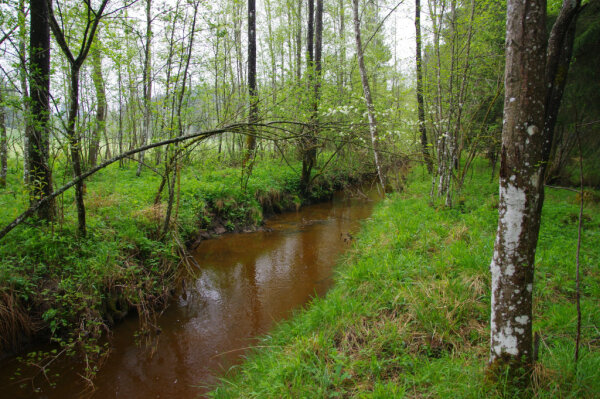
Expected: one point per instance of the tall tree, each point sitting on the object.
(100, 127)
(367, 93)
(299, 41)
(24, 89)
(40, 174)
(75, 63)
(3, 141)
(420, 102)
(147, 82)
(253, 114)
(174, 166)
(308, 140)
(530, 78)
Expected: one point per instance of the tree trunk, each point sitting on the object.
(310, 34)
(147, 87)
(3, 142)
(367, 93)
(24, 91)
(299, 43)
(420, 102)
(529, 82)
(40, 175)
(120, 122)
(180, 130)
(100, 127)
(75, 145)
(307, 142)
(253, 114)
(270, 40)
(342, 38)
(559, 50)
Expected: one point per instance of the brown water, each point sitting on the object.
(245, 284)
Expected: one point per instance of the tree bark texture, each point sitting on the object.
(253, 112)
(521, 185)
(535, 75)
(420, 102)
(40, 175)
(3, 143)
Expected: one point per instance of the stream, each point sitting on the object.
(246, 283)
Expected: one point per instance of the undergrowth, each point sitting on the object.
(409, 313)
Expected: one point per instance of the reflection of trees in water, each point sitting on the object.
(254, 309)
(245, 284)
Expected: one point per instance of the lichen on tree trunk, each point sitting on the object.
(526, 137)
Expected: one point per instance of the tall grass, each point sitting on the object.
(408, 315)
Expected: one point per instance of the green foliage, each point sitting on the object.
(409, 313)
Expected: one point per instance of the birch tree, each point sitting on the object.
(367, 93)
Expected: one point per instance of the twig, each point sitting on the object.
(562, 188)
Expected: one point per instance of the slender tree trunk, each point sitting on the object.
(75, 68)
(253, 114)
(270, 44)
(559, 51)
(27, 132)
(100, 127)
(3, 141)
(75, 145)
(147, 77)
(367, 93)
(458, 136)
(237, 33)
(310, 34)
(120, 132)
(180, 129)
(299, 42)
(420, 102)
(342, 38)
(40, 174)
(307, 143)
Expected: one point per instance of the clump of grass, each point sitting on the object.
(408, 315)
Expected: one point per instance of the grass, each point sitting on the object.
(409, 313)
(55, 284)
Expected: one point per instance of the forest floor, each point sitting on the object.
(54, 284)
(409, 312)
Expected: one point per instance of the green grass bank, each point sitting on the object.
(408, 315)
(56, 285)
